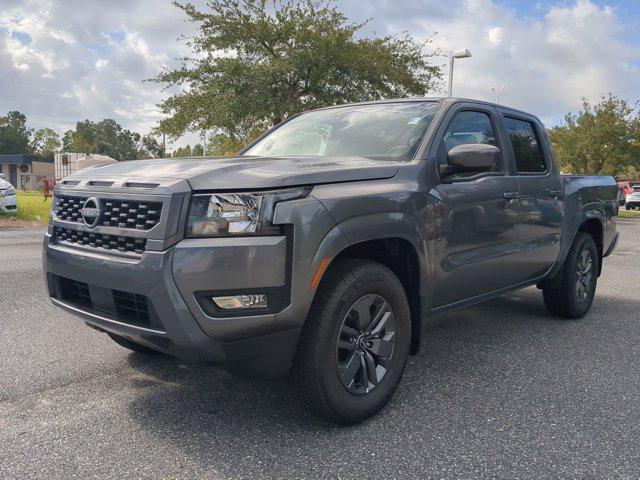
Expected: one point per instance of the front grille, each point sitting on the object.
(68, 208)
(99, 240)
(126, 307)
(130, 214)
(138, 215)
(132, 307)
(75, 292)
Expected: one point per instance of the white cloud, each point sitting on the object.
(547, 64)
(495, 36)
(61, 62)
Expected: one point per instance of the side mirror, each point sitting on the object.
(470, 158)
(2, 177)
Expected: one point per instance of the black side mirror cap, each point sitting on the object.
(470, 158)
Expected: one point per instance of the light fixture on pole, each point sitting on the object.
(498, 93)
(462, 53)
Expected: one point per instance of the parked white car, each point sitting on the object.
(8, 197)
(632, 200)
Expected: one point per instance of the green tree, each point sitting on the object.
(151, 147)
(14, 134)
(256, 62)
(197, 150)
(225, 145)
(182, 151)
(599, 139)
(45, 143)
(106, 137)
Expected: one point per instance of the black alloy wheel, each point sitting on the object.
(365, 344)
(584, 275)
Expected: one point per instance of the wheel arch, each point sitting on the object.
(400, 249)
(594, 227)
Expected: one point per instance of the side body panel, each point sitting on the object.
(588, 198)
(474, 222)
(395, 208)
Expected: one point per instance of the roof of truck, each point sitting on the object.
(433, 99)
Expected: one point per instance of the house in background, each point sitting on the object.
(25, 173)
(67, 163)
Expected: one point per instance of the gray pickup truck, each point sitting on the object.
(316, 252)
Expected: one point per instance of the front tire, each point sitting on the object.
(355, 343)
(571, 294)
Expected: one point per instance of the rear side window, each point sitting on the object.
(526, 147)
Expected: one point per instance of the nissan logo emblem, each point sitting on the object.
(91, 212)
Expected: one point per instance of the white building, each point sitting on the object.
(67, 163)
(25, 173)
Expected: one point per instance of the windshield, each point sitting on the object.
(382, 131)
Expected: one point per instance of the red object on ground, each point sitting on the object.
(48, 186)
(626, 185)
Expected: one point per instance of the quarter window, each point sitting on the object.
(526, 147)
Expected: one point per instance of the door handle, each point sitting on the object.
(555, 193)
(511, 195)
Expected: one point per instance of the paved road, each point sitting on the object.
(502, 390)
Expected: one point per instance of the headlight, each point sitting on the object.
(10, 191)
(241, 214)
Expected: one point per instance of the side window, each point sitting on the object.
(467, 127)
(526, 147)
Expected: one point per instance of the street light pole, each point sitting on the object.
(463, 53)
(204, 143)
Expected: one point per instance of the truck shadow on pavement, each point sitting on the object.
(478, 366)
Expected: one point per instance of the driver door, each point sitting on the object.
(475, 234)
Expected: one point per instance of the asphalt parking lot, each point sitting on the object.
(502, 390)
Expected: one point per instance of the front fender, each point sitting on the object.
(377, 226)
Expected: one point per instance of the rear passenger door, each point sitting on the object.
(541, 193)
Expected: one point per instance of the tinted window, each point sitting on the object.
(526, 148)
(382, 131)
(467, 127)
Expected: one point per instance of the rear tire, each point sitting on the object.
(571, 294)
(135, 347)
(355, 343)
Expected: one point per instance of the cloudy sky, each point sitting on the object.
(63, 61)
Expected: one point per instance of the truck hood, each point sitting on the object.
(246, 172)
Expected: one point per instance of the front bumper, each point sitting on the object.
(249, 345)
(9, 204)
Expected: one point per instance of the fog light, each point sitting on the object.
(234, 302)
